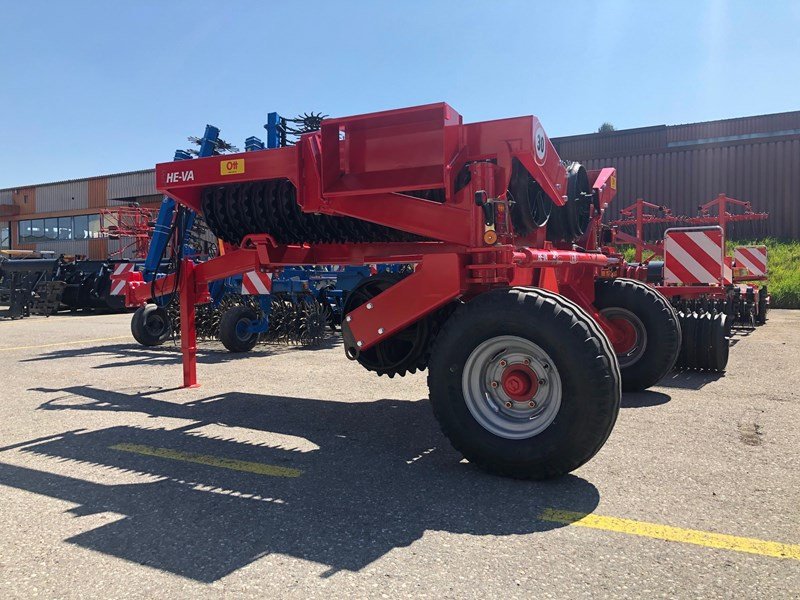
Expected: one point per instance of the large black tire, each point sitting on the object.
(232, 329)
(763, 307)
(687, 333)
(151, 325)
(719, 345)
(652, 321)
(407, 350)
(575, 398)
(705, 329)
(705, 345)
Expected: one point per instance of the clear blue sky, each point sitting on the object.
(89, 88)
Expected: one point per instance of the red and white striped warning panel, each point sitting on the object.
(694, 256)
(118, 287)
(119, 278)
(123, 268)
(727, 271)
(752, 258)
(256, 283)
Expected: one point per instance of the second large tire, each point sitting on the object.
(524, 383)
(655, 332)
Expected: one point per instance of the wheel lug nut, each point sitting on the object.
(494, 384)
(509, 405)
(532, 404)
(503, 363)
(545, 366)
(542, 382)
(527, 362)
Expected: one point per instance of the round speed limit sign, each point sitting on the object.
(540, 142)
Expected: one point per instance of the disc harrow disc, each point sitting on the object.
(237, 210)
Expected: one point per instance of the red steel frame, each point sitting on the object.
(359, 167)
(636, 214)
(133, 222)
(723, 217)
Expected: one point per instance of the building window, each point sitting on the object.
(24, 231)
(94, 226)
(5, 235)
(37, 230)
(80, 227)
(65, 228)
(51, 229)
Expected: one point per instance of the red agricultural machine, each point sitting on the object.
(514, 306)
(132, 226)
(710, 291)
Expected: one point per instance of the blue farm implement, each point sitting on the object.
(295, 305)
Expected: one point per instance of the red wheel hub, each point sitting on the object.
(623, 335)
(519, 382)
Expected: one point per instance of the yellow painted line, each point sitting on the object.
(673, 534)
(211, 461)
(67, 343)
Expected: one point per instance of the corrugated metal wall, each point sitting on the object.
(71, 195)
(62, 247)
(98, 249)
(629, 141)
(130, 185)
(777, 123)
(98, 188)
(122, 248)
(761, 166)
(25, 198)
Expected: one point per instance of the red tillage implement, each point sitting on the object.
(132, 225)
(512, 305)
(702, 283)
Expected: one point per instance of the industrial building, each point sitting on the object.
(681, 166)
(756, 159)
(64, 216)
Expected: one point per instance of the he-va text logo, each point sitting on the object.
(180, 176)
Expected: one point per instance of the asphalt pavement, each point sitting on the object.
(295, 473)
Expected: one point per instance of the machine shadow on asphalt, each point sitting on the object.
(126, 355)
(382, 475)
(644, 399)
(689, 380)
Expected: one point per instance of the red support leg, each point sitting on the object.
(188, 296)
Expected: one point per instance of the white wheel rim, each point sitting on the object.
(495, 385)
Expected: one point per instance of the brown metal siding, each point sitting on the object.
(98, 249)
(762, 170)
(25, 198)
(735, 127)
(97, 192)
(768, 175)
(631, 141)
